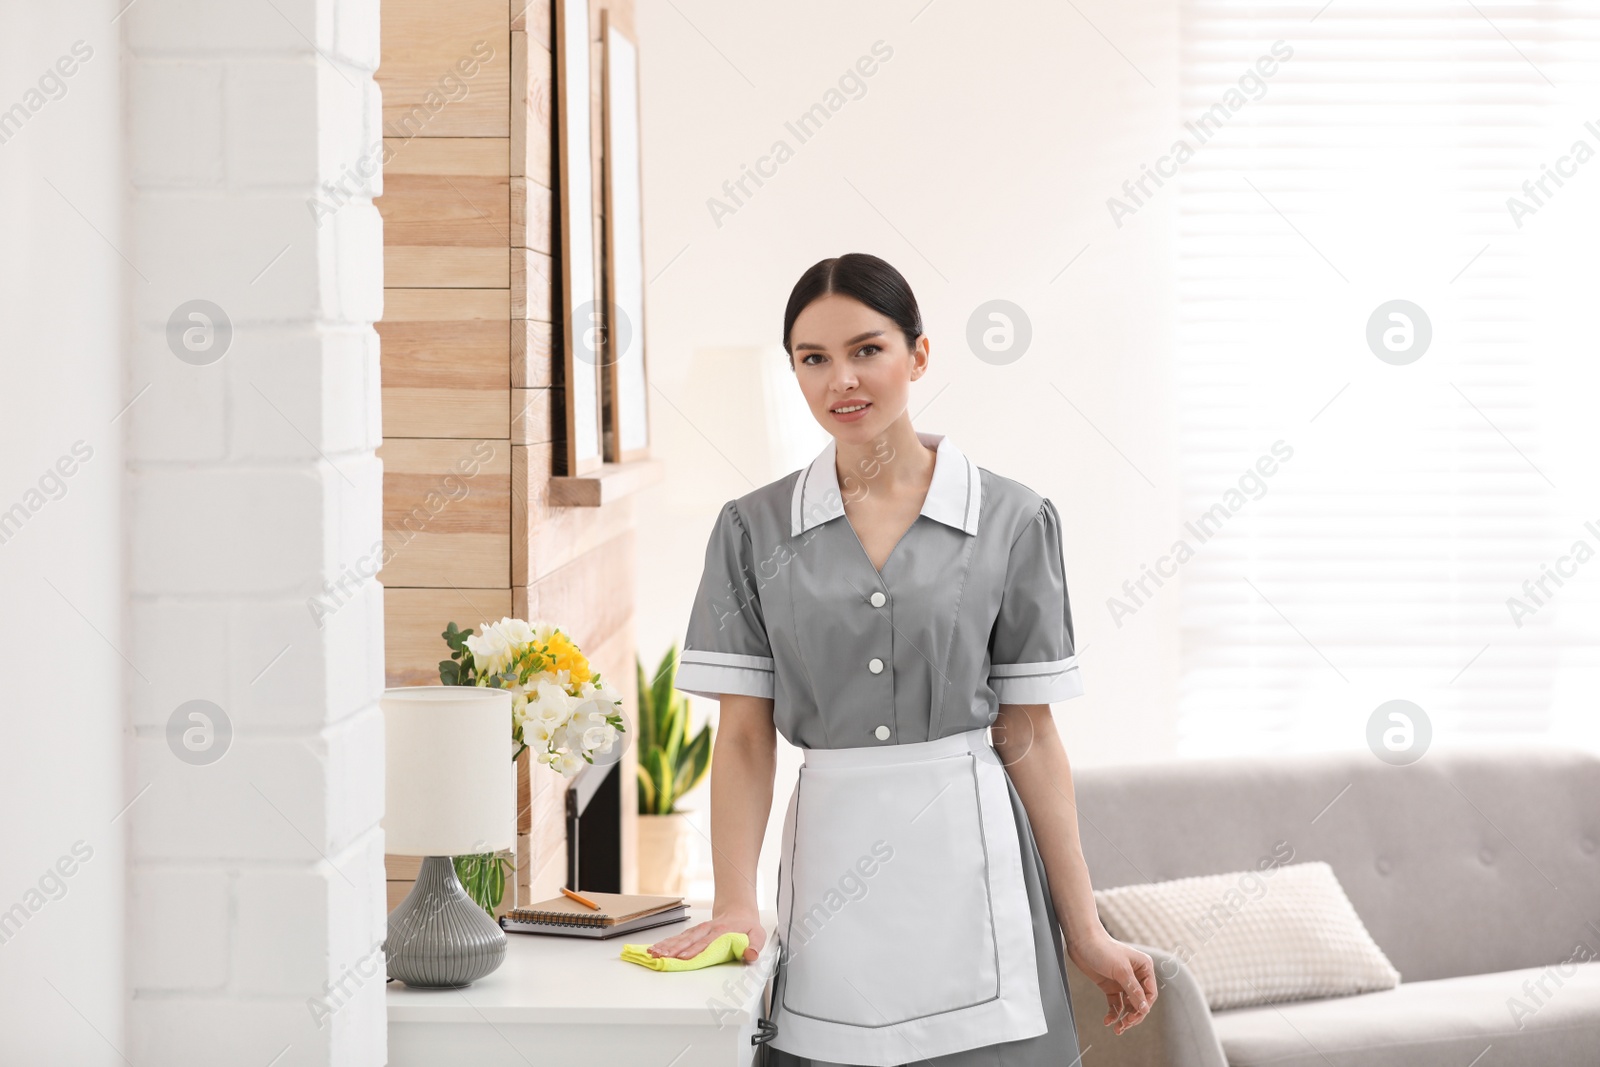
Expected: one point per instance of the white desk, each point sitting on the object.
(568, 1000)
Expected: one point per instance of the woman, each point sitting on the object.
(883, 608)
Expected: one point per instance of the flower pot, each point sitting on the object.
(664, 853)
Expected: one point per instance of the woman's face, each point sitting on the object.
(847, 355)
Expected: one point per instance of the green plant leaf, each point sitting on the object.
(696, 763)
(671, 724)
(647, 710)
(483, 876)
(671, 761)
(665, 772)
(647, 791)
(662, 691)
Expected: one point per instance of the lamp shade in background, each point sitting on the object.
(451, 783)
(748, 403)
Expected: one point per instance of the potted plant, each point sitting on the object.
(561, 712)
(671, 763)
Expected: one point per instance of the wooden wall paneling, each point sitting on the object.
(468, 369)
(446, 208)
(414, 619)
(542, 853)
(542, 836)
(399, 889)
(532, 102)
(530, 417)
(592, 596)
(532, 354)
(531, 401)
(446, 512)
(532, 285)
(573, 531)
(446, 358)
(531, 220)
(446, 68)
(533, 242)
(533, 18)
(545, 536)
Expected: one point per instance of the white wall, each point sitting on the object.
(978, 161)
(257, 884)
(232, 901)
(61, 778)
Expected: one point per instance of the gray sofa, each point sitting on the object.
(1476, 871)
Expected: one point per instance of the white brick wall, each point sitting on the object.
(256, 881)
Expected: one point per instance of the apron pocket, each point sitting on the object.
(890, 914)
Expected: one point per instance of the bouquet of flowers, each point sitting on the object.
(560, 709)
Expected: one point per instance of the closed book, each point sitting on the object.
(614, 908)
(564, 927)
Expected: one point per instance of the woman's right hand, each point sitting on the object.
(689, 943)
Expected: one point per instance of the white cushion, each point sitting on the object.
(1255, 937)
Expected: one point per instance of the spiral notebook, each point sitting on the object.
(619, 913)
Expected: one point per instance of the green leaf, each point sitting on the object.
(671, 761)
(662, 769)
(647, 710)
(662, 692)
(483, 876)
(697, 761)
(647, 791)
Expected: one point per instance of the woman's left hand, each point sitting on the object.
(1126, 976)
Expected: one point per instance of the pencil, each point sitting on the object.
(585, 901)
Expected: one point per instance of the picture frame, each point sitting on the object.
(577, 318)
(624, 377)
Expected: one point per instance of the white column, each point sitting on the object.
(256, 882)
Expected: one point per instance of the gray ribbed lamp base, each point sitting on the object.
(439, 938)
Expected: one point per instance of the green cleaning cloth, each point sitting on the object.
(729, 948)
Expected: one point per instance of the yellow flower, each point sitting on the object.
(565, 656)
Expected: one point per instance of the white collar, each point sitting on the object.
(954, 495)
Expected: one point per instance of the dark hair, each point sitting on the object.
(862, 276)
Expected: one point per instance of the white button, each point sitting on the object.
(882, 732)
(876, 666)
(878, 599)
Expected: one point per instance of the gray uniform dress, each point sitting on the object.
(970, 611)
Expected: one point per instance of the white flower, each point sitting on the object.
(599, 700)
(599, 738)
(568, 763)
(549, 703)
(539, 733)
(516, 631)
(490, 650)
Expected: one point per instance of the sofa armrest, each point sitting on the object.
(1176, 1033)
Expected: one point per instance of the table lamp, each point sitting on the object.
(451, 791)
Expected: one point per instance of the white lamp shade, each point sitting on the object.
(451, 784)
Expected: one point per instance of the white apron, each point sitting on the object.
(903, 917)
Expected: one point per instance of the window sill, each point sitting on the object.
(611, 482)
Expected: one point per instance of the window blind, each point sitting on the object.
(1374, 155)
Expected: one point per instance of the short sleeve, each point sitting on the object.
(1031, 651)
(726, 648)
